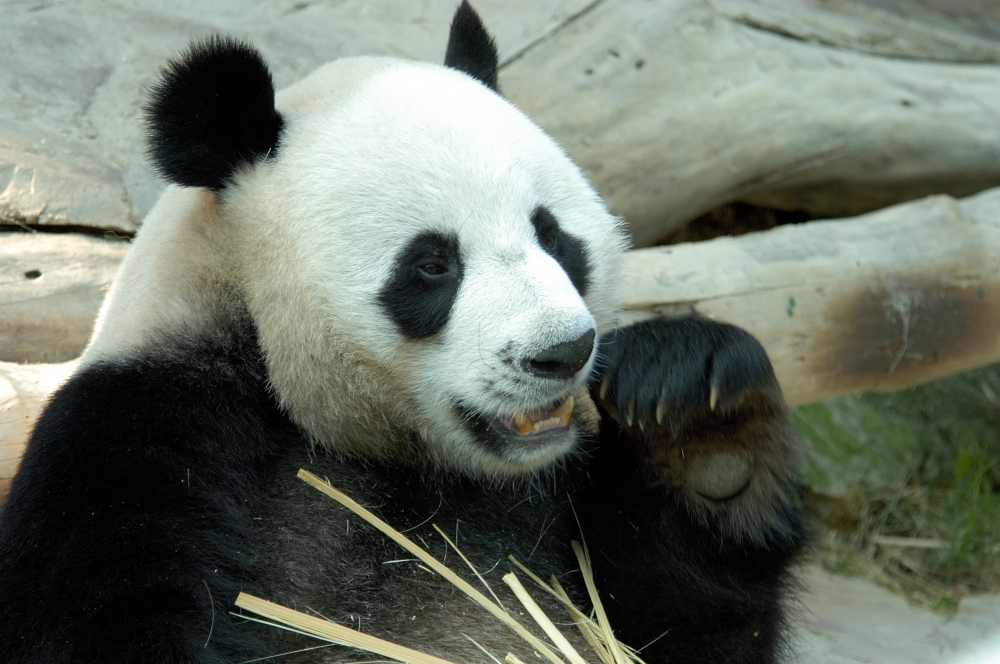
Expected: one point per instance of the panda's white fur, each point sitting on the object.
(309, 239)
(381, 274)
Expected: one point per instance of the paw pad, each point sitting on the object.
(720, 476)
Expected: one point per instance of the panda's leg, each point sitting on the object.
(692, 518)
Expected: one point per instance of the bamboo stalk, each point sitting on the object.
(431, 562)
(583, 557)
(590, 630)
(543, 621)
(470, 565)
(332, 632)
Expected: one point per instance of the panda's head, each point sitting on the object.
(428, 273)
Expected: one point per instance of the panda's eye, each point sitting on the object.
(549, 242)
(422, 288)
(433, 268)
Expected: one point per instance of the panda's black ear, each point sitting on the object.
(212, 111)
(470, 47)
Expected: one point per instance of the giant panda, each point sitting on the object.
(387, 275)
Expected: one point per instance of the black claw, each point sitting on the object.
(674, 370)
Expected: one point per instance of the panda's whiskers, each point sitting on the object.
(479, 347)
(212, 603)
(312, 610)
(495, 565)
(545, 529)
(523, 500)
(467, 219)
(487, 652)
(493, 368)
(293, 652)
(436, 510)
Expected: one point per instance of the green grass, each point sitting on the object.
(922, 465)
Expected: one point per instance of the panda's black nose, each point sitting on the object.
(563, 360)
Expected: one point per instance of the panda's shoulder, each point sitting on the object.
(139, 430)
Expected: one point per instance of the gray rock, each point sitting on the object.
(73, 75)
(847, 621)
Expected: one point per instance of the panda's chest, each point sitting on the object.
(324, 559)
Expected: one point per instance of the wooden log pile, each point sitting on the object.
(23, 391)
(51, 286)
(878, 302)
(672, 109)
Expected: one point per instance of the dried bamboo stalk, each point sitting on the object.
(583, 557)
(431, 562)
(588, 627)
(543, 621)
(590, 630)
(332, 632)
(598, 634)
(470, 565)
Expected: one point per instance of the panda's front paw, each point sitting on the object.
(700, 401)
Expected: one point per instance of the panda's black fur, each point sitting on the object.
(159, 484)
(471, 48)
(213, 110)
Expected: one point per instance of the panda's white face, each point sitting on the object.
(426, 270)
(424, 263)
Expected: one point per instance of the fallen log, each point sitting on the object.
(879, 302)
(675, 108)
(51, 286)
(941, 31)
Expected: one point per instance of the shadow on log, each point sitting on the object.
(878, 302)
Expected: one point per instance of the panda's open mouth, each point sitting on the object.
(528, 435)
(527, 439)
(538, 421)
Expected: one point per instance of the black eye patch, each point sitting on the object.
(565, 248)
(419, 295)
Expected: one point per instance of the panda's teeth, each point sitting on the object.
(521, 423)
(564, 412)
(528, 423)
